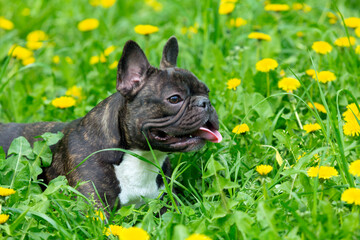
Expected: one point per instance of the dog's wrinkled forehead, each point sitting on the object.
(186, 81)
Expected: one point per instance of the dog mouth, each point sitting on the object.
(206, 132)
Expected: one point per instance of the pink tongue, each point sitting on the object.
(212, 136)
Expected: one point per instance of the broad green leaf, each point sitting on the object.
(20, 146)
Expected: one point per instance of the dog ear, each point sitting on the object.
(132, 69)
(170, 53)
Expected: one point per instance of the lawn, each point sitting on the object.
(284, 80)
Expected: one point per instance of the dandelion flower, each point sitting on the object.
(75, 92)
(297, 6)
(321, 47)
(277, 7)
(354, 168)
(324, 172)
(109, 50)
(56, 59)
(198, 236)
(357, 33)
(242, 128)
(282, 73)
(20, 52)
(6, 191)
(35, 39)
(146, 29)
(63, 102)
(6, 24)
(352, 22)
(310, 72)
(69, 60)
(351, 113)
(266, 64)
(351, 196)
(288, 84)
(306, 8)
(311, 127)
(3, 218)
(154, 4)
(233, 83)
(318, 106)
(345, 41)
(133, 233)
(351, 128)
(114, 230)
(300, 34)
(226, 8)
(259, 36)
(264, 169)
(107, 3)
(113, 65)
(97, 59)
(324, 76)
(357, 49)
(88, 24)
(238, 22)
(28, 61)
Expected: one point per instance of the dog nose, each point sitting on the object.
(202, 102)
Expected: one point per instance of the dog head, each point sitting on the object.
(167, 106)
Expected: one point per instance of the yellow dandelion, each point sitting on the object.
(233, 83)
(240, 129)
(354, 168)
(318, 106)
(324, 172)
(88, 24)
(113, 65)
(237, 22)
(310, 72)
(306, 8)
(20, 52)
(226, 8)
(299, 34)
(357, 32)
(351, 128)
(324, 76)
(259, 36)
(75, 92)
(352, 22)
(345, 41)
(198, 236)
(266, 64)
(351, 113)
(351, 196)
(97, 59)
(6, 191)
(28, 61)
(145, 29)
(26, 12)
(277, 7)
(297, 6)
(113, 230)
(6, 24)
(56, 59)
(264, 169)
(332, 20)
(35, 39)
(95, 3)
(109, 50)
(63, 102)
(107, 3)
(357, 49)
(321, 47)
(311, 127)
(282, 73)
(3, 218)
(69, 60)
(289, 84)
(133, 233)
(154, 5)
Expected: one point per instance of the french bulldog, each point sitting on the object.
(167, 108)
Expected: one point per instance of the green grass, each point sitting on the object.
(220, 193)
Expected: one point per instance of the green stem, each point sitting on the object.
(268, 84)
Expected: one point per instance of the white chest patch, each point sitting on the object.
(138, 178)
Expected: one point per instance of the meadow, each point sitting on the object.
(283, 76)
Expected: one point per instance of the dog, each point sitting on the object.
(167, 108)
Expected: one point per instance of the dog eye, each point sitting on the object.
(174, 99)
